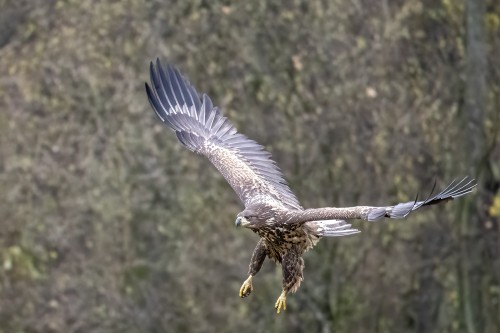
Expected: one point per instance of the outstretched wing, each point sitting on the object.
(454, 190)
(202, 128)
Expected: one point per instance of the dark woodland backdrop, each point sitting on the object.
(108, 225)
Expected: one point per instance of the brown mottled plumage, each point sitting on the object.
(272, 211)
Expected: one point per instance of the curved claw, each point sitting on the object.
(281, 302)
(246, 287)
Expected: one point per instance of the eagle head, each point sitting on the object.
(248, 219)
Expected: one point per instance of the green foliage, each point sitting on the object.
(109, 225)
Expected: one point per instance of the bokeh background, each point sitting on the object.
(108, 225)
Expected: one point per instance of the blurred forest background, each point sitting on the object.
(109, 225)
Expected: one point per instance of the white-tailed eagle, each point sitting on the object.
(272, 211)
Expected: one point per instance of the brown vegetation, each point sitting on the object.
(109, 225)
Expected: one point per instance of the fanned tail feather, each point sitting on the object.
(332, 228)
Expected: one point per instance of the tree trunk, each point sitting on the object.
(471, 243)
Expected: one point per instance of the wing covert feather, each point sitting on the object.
(202, 128)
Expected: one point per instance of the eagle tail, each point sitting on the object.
(332, 228)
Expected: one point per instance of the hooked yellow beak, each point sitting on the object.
(241, 222)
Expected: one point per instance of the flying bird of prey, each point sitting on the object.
(272, 211)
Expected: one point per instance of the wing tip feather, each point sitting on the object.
(193, 117)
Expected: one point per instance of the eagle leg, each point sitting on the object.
(292, 266)
(258, 257)
(246, 287)
(281, 302)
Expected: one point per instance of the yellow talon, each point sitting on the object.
(281, 302)
(246, 287)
